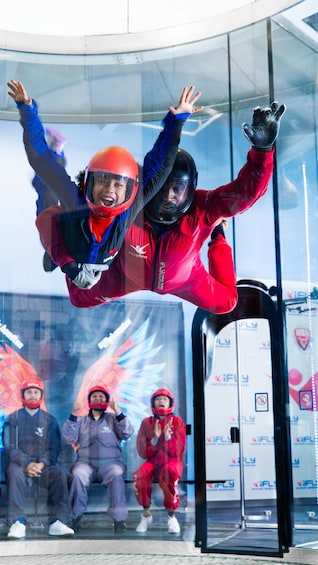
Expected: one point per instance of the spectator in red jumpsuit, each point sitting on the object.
(161, 441)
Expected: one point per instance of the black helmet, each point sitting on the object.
(184, 171)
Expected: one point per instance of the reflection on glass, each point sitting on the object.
(240, 459)
(140, 342)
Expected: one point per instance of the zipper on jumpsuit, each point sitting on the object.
(156, 262)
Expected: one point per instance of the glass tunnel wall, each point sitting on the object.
(297, 202)
(142, 342)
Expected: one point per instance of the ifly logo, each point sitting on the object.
(262, 440)
(296, 463)
(249, 419)
(229, 379)
(247, 462)
(248, 325)
(305, 440)
(306, 484)
(140, 251)
(264, 485)
(225, 343)
(245, 420)
(227, 485)
(266, 344)
(218, 440)
(297, 294)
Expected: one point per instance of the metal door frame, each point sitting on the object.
(254, 301)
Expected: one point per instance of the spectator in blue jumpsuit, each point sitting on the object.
(97, 438)
(32, 440)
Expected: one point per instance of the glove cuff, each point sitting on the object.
(71, 270)
(266, 149)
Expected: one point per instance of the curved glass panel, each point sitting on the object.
(297, 197)
(142, 341)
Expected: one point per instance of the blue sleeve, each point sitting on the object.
(159, 161)
(40, 157)
(11, 442)
(165, 147)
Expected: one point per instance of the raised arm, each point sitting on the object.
(254, 177)
(38, 152)
(159, 161)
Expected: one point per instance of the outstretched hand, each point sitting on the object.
(167, 430)
(18, 92)
(186, 102)
(156, 430)
(76, 407)
(265, 126)
(113, 405)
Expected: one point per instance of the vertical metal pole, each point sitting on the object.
(283, 461)
(239, 411)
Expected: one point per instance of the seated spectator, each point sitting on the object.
(97, 437)
(32, 440)
(161, 441)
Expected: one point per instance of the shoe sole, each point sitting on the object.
(61, 535)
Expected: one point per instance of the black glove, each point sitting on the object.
(265, 126)
(71, 270)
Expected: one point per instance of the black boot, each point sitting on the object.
(48, 264)
(119, 527)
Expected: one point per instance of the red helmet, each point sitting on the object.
(98, 405)
(162, 411)
(117, 162)
(32, 383)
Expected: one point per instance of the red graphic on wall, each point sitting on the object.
(306, 394)
(302, 336)
(107, 372)
(129, 373)
(13, 371)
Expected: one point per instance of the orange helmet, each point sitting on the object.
(119, 163)
(162, 411)
(32, 382)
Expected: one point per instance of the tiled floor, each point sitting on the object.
(96, 544)
(79, 552)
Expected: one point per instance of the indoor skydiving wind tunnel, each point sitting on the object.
(245, 383)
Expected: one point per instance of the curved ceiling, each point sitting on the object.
(125, 25)
(121, 84)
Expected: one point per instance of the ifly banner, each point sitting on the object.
(238, 394)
